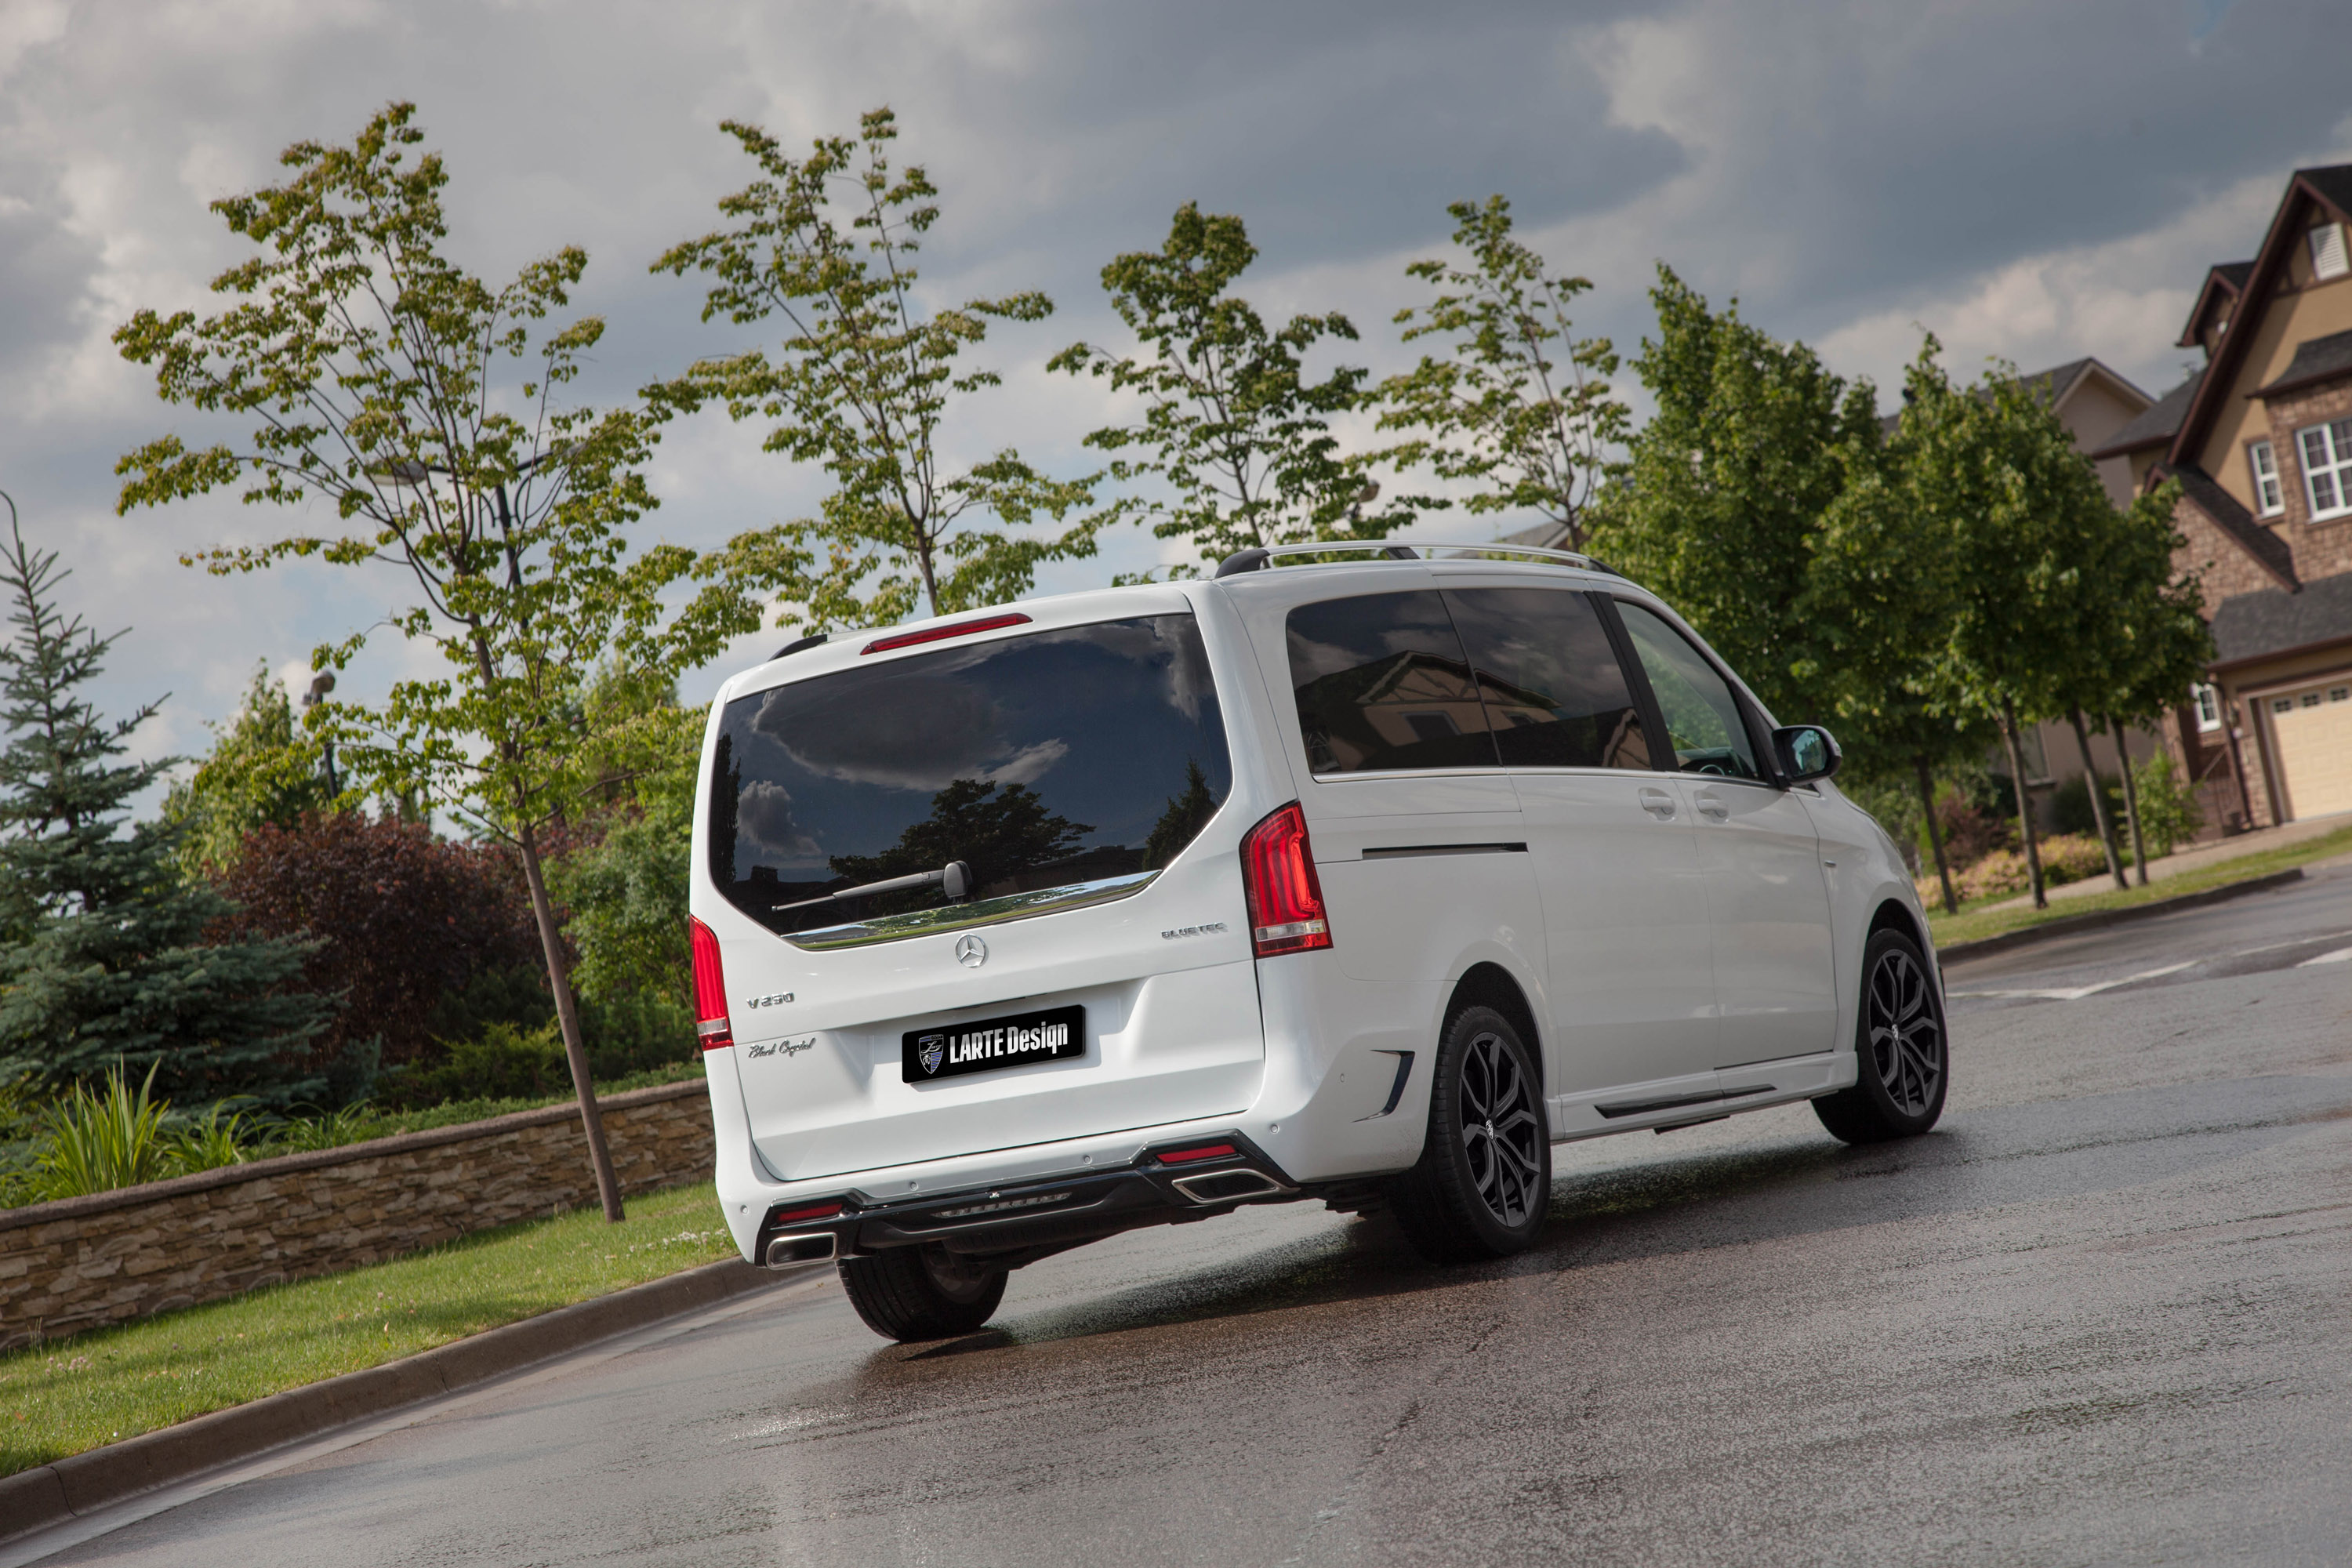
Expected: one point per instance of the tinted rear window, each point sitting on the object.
(1557, 695)
(1041, 760)
(1381, 683)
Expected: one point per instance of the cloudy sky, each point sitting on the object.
(2026, 180)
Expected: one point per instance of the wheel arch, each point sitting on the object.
(1488, 984)
(1891, 915)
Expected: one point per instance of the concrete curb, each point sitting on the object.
(69, 1489)
(1981, 948)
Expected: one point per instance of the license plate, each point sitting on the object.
(992, 1043)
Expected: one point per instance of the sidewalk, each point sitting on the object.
(2193, 859)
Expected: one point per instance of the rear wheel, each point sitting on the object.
(1902, 1059)
(1484, 1177)
(922, 1292)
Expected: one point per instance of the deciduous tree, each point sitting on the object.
(430, 414)
(1235, 446)
(1518, 406)
(862, 385)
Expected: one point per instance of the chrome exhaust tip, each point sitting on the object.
(816, 1247)
(1224, 1186)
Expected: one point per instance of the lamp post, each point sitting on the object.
(320, 684)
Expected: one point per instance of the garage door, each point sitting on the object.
(2314, 727)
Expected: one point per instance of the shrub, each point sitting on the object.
(408, 921)
(1971, 831)
(2168, 812)
(106, 1138)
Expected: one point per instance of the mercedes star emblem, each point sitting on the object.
(971, 951)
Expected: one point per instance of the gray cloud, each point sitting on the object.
(2042, 181)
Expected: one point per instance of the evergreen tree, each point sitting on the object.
(106, 960)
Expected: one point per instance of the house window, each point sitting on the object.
(2208, 707)
(2311, 700)
(2281, 704)
(2338, 693)
(2327, 467)
(2328, 258)
(2270, 500)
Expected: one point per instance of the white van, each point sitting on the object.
(1363, 881)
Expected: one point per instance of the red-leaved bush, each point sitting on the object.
(407, 920)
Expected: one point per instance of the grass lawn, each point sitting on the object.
(1975, 921)
(61, 1398)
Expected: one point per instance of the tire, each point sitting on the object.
(1902, 1049)
(1484, 1183)
(912, 1293)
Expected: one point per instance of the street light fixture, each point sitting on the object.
(320, 684)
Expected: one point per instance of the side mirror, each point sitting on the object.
(1806, 753)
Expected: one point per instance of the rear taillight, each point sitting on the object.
(709, 990)
(1286, 901)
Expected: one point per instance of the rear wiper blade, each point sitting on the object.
(955, 878)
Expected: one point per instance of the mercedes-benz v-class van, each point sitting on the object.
(1363, 880)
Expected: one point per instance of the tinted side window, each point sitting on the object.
(1702, 716)
(1381, 683)
(1549, 678)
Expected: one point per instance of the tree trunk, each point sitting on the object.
(2016, 743)
(2131, 796)
(567, 1013)
(2098, 801)
(1935, 836)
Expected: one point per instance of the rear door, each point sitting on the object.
(1078, 775)
(1767, 894)
(1631, 994)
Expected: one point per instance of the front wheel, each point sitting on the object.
(1902, 1059)
(1484, 1177)
(922, 1292)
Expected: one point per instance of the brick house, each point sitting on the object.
(2261, 440)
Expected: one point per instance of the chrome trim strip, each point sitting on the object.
(963, 917)
(1403, 851)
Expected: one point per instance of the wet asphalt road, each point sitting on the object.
(2102, 1314)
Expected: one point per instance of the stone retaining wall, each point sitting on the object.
(78, 1263)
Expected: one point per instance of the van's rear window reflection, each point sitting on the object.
(1039, 761)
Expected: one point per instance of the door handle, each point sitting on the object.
(1657, 802)
(1711, 806)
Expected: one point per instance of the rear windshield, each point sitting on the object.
(1041, 760)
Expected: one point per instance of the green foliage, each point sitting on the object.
(262, 769)
(1727, 486)
(1520, 405)
(861, 383)
(106, 1138)
(108, 960)
(2168, 813)
(2070, 808)
(1234, 431)
(625, 881)
(373, 367)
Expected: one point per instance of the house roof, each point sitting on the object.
(2051, 386)
(2156, 424)
(2270, 621)
(2268, 548)
(2315, 360)
(2226, 282)
(2331, 185)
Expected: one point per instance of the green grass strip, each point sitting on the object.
(1973, 923)
(110, 1383)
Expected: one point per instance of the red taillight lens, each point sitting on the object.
(1286, 901)
(802, 1216)
(709, 990)
(1186, 1156)
(939, 634)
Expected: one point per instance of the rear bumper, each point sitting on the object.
(1028, 1220)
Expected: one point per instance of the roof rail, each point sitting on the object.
(1257, 558)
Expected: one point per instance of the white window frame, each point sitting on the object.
(2325, 453)
(2269, 494)
(2208, 703)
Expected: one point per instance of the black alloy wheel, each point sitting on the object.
(922, 1292)
(1901, 1058)
(1483, 1181)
